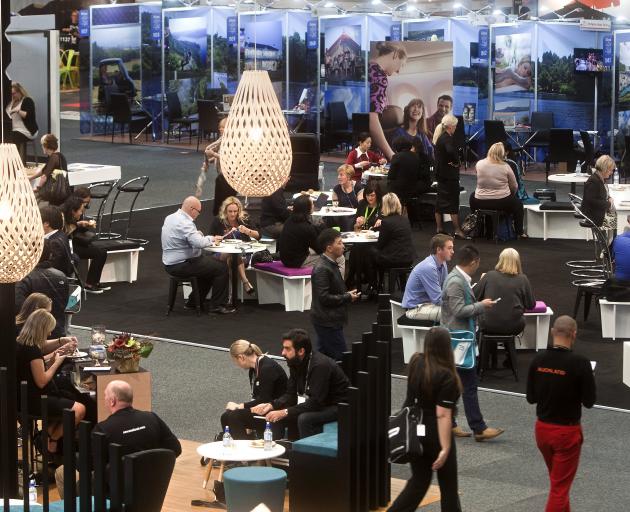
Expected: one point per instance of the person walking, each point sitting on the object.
(434, 385)
(560, 382)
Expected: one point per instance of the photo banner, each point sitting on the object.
(395, 32)
(84, 23)
(426, 74)
(607, 46)
(312, 35)
(232, 29)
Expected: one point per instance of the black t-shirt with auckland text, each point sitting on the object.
(559, 382)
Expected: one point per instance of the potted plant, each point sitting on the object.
(126, 352)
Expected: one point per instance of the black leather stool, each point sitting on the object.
(495, 215)
(134, 186)
(509, 344)
(396, 277)
(174, 284)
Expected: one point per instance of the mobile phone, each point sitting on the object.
(497, 300)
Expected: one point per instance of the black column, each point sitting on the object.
(5, 51)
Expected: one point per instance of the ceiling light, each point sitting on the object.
(457, 6)
(376, 2)
(497, 12)
(329, 4)
(621, 18)
(410, 8)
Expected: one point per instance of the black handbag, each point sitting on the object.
(263, 256)
(56, 189)
(470, 223)
(405, 434)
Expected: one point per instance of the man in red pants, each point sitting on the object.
(559, 383)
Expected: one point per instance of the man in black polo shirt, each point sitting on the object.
(316, 386)
(559, 383)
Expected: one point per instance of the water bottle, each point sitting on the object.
(616, 177)
(32, 491)
(578, 167)
(227, 438)
(268, 437)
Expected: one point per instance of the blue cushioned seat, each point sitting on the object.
(57, 506)
(247, 487)
(320, 444)
(331, 427)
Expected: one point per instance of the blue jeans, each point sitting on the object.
(330, 341)
(471, 400)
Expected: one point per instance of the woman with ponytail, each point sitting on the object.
(267, 380)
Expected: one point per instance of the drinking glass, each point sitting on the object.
(98, 335)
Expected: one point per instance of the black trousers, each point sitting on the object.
(210, 273)
(98, 257)
(421, 474)
(240, 420)
(20, 141)
(222, 190)
(510, 204)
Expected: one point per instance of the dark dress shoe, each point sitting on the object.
(223, 310)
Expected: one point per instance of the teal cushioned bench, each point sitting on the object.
(320, 444)
(57, 506)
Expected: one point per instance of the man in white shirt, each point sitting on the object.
(183, 256)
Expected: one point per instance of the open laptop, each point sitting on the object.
(320, 202)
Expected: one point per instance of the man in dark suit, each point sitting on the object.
(60, 253)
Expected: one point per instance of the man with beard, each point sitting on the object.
(444, 106)
(316, 386)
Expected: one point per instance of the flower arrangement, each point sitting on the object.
(126, 351)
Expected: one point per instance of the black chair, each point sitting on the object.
(208, 119)
(485, 342)
(624, 164)
(147, 475)
(337, 129)
(174, 283)
(175, 117)
(396, 279)
(121, 114)
(588, 155)
(101, 191)
(560, 150)
(134, 186)
(495, 217)
(495, 132)
(305, 164)
(542, 122)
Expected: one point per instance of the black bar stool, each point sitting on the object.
(102, 191)
(509, 344)
(133, 186)
(174, 284)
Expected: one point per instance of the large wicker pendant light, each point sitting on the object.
(255, 148)
(21, 231)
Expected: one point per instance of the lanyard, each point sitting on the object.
(368, 215)
(307, 370)
(252, 382)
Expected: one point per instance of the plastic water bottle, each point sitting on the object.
(268, 437)
(616, 177)
(227, 438)
(32, 491)
(578, 167)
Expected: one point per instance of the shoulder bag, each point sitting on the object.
(405, 434)
(463, 341)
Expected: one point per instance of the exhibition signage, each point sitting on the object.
(607, 46)
(484, 38)
(596, 25)
(395, 32)
(312, 35)
(84, 23)
(156, 26)
(232, 29)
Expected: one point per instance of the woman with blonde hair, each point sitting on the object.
(388, 60)
(508, 282)
(230, 224)
(597, 204)
(31, 367)
(21, 110)
(497, 187)
(347, 192)
(447, 166)
(267, 380)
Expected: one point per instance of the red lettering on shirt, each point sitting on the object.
(554, 371)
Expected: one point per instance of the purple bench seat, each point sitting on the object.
(277, 267)
(277, 284)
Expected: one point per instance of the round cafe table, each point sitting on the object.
(571, 178)
(374, 175)
(334, 211)
(241, 451)
(362, 237)
(240, 248)
(315, 194)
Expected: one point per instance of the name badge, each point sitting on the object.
(301, 399)
(420, 430)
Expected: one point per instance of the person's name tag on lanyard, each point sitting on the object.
(301, 399)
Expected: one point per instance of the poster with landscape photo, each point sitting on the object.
(426, 35)
(343, 57)
(187, 46)
(514, 69)
(624, 73)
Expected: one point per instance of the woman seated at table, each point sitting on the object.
(394, 247)
(361, 158)
(35, 301)
(38, 371)
(414, 127)
(407, 176)
(508, 282)
(56, 160)
(267, 380)
(497, 186)
(230, 224)
(597, 204)
(346, 193)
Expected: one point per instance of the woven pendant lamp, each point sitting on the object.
(21, 230)
(255, 149)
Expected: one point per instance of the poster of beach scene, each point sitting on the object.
(514, 69)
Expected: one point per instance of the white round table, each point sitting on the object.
(241, 451)
(334, 211)
(352, 237)
(570, 177)
(374, 175)
(314, 195)
(240, 248)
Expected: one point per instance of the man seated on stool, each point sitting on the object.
(183, 256)
(316, 386)
(423, 292)
(135, 430)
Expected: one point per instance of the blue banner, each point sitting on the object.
(607, 45)
(484, 46)
(156, 27)
(312, 35)
(84, 23)
(232, 29)
(395, 32)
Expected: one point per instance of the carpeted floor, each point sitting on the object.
(140, 307)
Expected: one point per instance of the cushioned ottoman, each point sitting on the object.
(247, 487)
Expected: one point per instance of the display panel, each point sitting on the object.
(588, 60)
(513, 57)
(343, 55)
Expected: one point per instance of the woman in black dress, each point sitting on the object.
(434, 386)
(447, 163)
(38, 371)
(394, 246)
(597, 204)
(346, 193)
(267, 380)
(222, 189)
